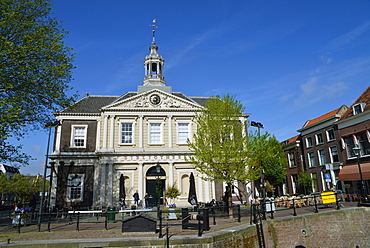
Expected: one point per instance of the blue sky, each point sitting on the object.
(286, 61)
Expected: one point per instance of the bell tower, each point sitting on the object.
(153, 64)
(153, 68)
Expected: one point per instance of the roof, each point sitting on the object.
(338, 111)
(290, 140)
(320, 118)
(9, 169)
(364, 98)
(92, 104)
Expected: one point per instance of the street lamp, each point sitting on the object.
(357, 153)
(48, 125)
(158, 169)
(263, 184)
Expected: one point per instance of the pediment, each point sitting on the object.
(148, 100)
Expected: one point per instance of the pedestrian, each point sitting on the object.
(136, 198)
(146, 198)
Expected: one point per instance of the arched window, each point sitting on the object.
(184, 185)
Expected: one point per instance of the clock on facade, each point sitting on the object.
(155, 99)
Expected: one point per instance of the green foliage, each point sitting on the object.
(4, 185)
(305, 180)
(35, 71)
(172, 192)
(220, 144)
(269, 153)
(25, 187)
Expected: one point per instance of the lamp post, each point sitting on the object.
(48, 125)
(357, 153)
(263, 184)
(158, 169)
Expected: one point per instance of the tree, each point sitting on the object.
(220, 144)
(306, 181)
(4, 185)
(25, 187)
(172, 192)
(270, 156)
(35, 71)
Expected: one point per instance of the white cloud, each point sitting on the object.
(348, 37)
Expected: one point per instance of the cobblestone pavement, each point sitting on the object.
(114, 229)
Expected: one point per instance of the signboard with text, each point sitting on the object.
(328, 197)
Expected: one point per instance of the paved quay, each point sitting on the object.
(92, 233)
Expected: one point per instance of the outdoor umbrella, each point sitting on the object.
(192, 199)
(122, 193)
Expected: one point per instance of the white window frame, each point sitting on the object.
(126, 121)
(309, 142)
(73, 135)
(321, 158)
(290, 159)
(178, 123)
(328, 135)
(361, 108)
(310, 165)
(81, 186)
(332, 155)
(317, 138)
(161, 124)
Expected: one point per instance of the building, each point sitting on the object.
(320, 149)
(293, 153)
(354, 128)
(107, 147)
(9, 171)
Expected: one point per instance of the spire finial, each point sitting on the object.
(153, 30)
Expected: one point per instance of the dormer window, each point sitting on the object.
(358, 108)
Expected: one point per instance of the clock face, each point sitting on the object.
(155, 99)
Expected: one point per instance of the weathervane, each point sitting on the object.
(153, 30)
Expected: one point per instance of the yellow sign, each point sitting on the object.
(328, 197)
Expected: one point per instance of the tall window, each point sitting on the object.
(311, 159)
(330, 134)
(322, 157)
(155, 133)
(314, 181)
(126, 133)
(350, 145)
(319, 138)
(291, 159)
(308, 142)
(364, 144)
(294, 183)
(79, 136)
(334, 154)
(75, 187)
(182, 132)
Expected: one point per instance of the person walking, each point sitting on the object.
(146, 198)
(136, 198)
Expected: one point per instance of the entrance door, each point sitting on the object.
(153, 191)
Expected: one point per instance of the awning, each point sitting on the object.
(351, 172)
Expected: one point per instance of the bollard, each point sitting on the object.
(314, 199)
(214, 216)
(78, 222)
(184, 218)
(206, 219)
(106, 221)
(239, 216)
(294, 210)
(160, 223)
(49, 221)
(199, 217)
(272, 212)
